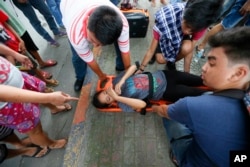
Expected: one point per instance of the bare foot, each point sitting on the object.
(62, 108)
(58, 144)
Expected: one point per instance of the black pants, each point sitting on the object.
(182, 84)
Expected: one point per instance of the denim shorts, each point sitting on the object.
(233, 18)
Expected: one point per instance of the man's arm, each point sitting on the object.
(161, 110)
(126, 59)
(95, 67)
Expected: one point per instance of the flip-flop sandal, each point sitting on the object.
(67, 107)
(49, 63)
(46, 74)
(52, 82)
(51, 148)
(38, 151)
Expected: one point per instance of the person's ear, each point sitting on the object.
(239, 73)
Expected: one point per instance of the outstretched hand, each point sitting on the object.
(60, 98)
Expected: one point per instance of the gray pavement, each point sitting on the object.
(102, 139)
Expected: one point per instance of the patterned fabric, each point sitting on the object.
(137, 86)
(168, 25)
(23, 116)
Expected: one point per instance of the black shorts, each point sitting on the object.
(29, 43)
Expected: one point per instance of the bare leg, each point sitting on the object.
(38, 137)
(14, 140)
(37, 56)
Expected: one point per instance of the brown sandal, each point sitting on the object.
(52, 82)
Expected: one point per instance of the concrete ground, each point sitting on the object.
(99, 139)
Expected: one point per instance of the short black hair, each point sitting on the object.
(200, 14)
(96, 102)
(235, 42)
(106, 24)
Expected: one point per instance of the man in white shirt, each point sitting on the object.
(100, 23)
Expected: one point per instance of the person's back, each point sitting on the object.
(220, 125)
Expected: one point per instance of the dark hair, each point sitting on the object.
(235, 41)
(200, 14)
(96, 102)
(106, 24)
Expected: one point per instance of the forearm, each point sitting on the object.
(129, 72)
(126, 60)
(95, 67)
(132, 102)
(6, 51)
(13, 94)
(149, 54)
(13, 31)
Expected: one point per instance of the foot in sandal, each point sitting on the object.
(58, 144)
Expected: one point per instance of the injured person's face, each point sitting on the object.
(105, 98)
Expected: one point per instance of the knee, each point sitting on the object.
(160, 59)
(186, 47)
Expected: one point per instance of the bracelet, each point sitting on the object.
(143, 65)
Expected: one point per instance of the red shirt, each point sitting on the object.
(7, 37)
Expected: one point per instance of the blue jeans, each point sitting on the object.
(175, 131)
(80, 66)
(119, 61)
(54, 6)
(234, 17)
(29, 12)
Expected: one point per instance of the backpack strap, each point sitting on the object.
(150, 92)
(233, 93)
(237, 94)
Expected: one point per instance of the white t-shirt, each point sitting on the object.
(75, 14)
(9, 75)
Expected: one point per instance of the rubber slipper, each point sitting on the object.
(46, 74)
(67, 107)
(38, 151)
(49, 63)
(52, 82)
